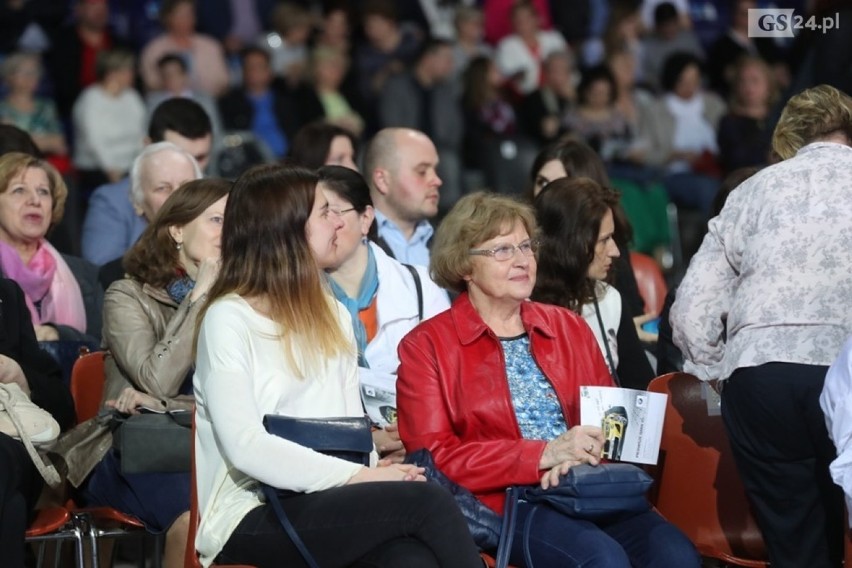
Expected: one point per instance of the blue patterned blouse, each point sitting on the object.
(536, 406)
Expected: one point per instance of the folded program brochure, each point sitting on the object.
(632, 421)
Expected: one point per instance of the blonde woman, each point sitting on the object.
(765, 307)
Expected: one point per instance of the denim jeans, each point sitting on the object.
(391, 524)
(556, 541)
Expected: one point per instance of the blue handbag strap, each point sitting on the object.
(527, 529)
(507, 530)
(272, 498)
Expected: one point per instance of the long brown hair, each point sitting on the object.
(569, 213)
(266, 255)
(154, 259)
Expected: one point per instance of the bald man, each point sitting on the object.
(400, 166)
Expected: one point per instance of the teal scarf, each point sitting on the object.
(369, 286)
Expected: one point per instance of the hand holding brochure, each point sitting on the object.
(632, 421)
(378, 392)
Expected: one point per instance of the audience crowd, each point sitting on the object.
(461, 185)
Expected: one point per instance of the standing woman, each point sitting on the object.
(380, 292)
(576, 253)
(765, 307)
(273, 340)
(149, 323)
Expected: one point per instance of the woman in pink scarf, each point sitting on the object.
(32, 199)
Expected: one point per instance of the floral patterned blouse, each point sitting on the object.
(772, 281)
(534, 399)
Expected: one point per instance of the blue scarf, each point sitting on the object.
(179, 288)
(369, 285)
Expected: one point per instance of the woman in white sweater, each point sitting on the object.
(273, 340)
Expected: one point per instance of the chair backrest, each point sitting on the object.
(697, 486)
(649, 278)
(87, 384)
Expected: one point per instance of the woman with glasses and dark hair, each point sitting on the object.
(385, 298)
(492, 388)
(578, 250)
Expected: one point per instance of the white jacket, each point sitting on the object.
(396, 309)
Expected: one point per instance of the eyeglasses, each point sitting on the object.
(340, 212)
(507, 252)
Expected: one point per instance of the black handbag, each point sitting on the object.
(596, 493)
(605, 492)
(346, 438)
(152, 442)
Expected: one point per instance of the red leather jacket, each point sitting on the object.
(453, 395)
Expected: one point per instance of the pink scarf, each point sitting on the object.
(46, 278)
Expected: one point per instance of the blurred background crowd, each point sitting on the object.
(673, 95)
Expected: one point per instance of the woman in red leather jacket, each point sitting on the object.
(491, 387)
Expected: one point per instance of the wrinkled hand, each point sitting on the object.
(645, 336)
(580, 444)
(388, 443)
(208, 271)
(11, 372)
(46, 333)
(130, 399)
(387, 471)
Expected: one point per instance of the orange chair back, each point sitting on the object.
(87, 384)
(649, 278)
(697, 486)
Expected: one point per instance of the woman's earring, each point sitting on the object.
(364, 240)
(178, 246)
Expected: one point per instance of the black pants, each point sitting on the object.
(782, 449)
(391, 524)
(20, 486)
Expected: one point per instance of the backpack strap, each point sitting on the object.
(419, 287)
